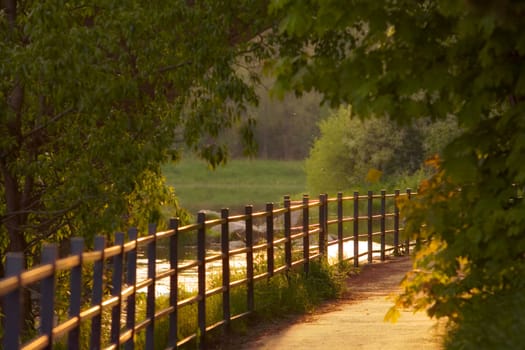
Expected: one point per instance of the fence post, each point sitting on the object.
(12, 320)
(269, 238)
(396, 223)
(326, 225)
(356, 229)
(407, 241)
(287, 233)
(131, 280)
(173, 318)
(306, 232)
(340, 226)
(75, 286)
(249, 258)
(116, 290)
(201, 275)
(225, 250)
(323, 249)
(47, 301)
(96, 299)
(370, 224)
(150, 299)
(383, 224)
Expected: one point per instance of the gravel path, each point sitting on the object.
(356, 320)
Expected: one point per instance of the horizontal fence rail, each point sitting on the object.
(120, 295)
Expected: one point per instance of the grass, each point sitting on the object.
(284, 294)
(240, 182)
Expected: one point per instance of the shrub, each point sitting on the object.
(492, 321)
(352, 151)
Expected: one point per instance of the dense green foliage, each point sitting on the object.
(241, 182)
(327, 164)
(498, 324)
(431, 59)
(354, 153)
(95, 97)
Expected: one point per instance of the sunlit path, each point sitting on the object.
(357, 321)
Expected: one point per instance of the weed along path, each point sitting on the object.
(356, 321)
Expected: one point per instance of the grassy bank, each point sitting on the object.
(283, 295)
(240, 182)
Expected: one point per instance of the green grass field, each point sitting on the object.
(240, 182)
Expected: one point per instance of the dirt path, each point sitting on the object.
(356, 320)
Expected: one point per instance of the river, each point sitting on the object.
(188, 278)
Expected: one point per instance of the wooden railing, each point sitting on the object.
(103, 314)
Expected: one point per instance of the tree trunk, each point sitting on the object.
(15, 220)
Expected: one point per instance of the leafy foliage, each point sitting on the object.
(505, 322)
(434, 59)
(328, 166)
(353, 152)
(95, 97)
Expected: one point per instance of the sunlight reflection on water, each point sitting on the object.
(188, 278)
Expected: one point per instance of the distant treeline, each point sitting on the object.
(285, 128)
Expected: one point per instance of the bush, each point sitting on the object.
(328, 163)
(491, 322)
(297, 293)
(352, 152)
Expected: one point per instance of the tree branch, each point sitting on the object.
(45, 125)
(173, 67)
(10, 9)
(41, 212)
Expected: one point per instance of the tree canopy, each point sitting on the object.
(410, 60)
(94, 96)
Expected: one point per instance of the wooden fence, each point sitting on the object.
(102, 308)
